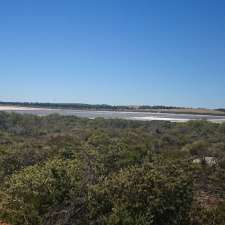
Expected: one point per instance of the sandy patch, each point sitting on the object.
(19, 108)
(150, 118)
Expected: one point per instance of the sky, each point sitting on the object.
(119, 52)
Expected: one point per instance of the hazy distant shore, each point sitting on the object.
(7, 106)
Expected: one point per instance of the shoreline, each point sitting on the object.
(21, 108)
(154, 111)
(109, 114)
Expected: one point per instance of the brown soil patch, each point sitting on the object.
(2, 223)
(208, 201)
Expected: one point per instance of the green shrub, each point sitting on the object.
(208, 216)
(34, 191)
(141, 196)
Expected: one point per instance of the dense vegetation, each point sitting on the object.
(63, 170)
(85, 106)
(222, 110)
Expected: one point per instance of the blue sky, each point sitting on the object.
(113, 51)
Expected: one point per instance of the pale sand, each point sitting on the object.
(150, 118)
(19, 108)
